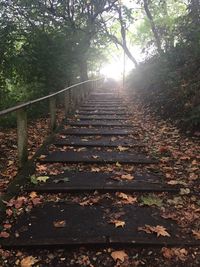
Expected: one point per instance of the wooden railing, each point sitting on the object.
(72, 96)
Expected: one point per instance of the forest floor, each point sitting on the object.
(38, 130)
(179, 160)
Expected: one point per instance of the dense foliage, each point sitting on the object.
(46, 45)
(168, 80)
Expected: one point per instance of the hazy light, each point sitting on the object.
(114, 68)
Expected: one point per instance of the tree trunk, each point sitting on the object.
(153, 26)
(123, 35)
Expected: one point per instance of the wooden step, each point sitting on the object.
(93, 156)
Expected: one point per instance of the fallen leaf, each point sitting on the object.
(184, 191)
(181, 253)
(121, 148)
(59, 224)
(90, 201)
(151, 200)
(159, 230)
(95, 157)
(174, 182)
(127, 199)
(81, 149)
(119, 255)
(127, 177)
(34, 179)
(118, 223)
(33, 194)
(95, 170)
(28, 261)
(118, 164)
(9, 212)
(42, 178)
(169, 253)
(196, 234)
(36, 201)
(42, 157)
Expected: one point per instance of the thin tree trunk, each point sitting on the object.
(153, 27)
(123, 34)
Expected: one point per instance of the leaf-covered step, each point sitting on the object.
(97, 131)
(70, 181)
(85, 223)
(98, 157)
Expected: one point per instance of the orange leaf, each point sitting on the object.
(196, 234)
(159, 230)
(28, 261)
(59, 224)
(127, 177)
(119, 255)
(118, 223)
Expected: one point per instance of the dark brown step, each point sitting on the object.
(101, 117)
(93, 156)
(89, 225)
(102, 142)
(103, 109)
(102, 106)
(104, 182)
(98, 113)
(99, 123)
(97, 131)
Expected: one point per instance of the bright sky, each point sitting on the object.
(114, 68)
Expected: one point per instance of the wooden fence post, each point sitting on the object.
(22, 136)
(66, 102)
(52, 109)
(70, 101)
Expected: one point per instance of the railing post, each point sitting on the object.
(52, 110)
(66, 102)
(70, 101)
(22, 136)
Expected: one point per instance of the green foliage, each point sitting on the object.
(46, 45)
(169, 82)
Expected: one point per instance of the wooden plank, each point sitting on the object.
(91, 225)
(101, 117)
(101, 142)
(70, 181)
(97, 131)
(117, 109)
(97, 123)
(93, 156)
(97, 113)
(102, 106)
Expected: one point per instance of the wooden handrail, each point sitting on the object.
(70, 100)
(29, 103)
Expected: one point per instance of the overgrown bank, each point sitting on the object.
(169, 81)
(170, 90)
